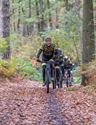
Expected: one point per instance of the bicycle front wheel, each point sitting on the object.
(47, 86)
(54, 84)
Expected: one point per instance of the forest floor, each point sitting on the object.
(27, 103)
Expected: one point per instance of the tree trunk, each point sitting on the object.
(88, 52)
(57, 18)
(37, 13)
(5, 24)
(50, 18)
(13, 23)
(42, 20)
(30, 25)
(19, 20)
(66, 5)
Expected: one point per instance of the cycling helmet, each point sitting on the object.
(58, 51)
(66, 58)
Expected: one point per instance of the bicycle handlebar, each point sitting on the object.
(45, 61)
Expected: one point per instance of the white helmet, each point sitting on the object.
(65, 57)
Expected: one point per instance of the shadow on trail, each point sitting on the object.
(53, 110)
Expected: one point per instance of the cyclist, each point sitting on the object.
(47, 50)
(58, 57)
(68, 66)
(58, 61)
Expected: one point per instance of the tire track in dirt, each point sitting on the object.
(27, 103)
(53, 109)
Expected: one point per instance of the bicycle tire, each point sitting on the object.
(67, 83)
(54, 85)
(59, 83)
(47, 85)
(47, 77)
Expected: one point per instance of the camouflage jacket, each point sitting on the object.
(47, 52)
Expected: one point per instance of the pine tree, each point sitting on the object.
(5, 24)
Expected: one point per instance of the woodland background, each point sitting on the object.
(25, 23)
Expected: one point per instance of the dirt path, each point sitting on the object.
(27, 103)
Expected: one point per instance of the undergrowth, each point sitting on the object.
(21, 66)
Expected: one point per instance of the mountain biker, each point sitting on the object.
(47, 50)
(58, 57)
(68, 65)
(58, 61)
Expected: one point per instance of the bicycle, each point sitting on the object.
(58, 77)
(67, 77)
(48, 80)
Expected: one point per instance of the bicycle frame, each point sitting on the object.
(47, 74)
(67, 78)
(58, 76)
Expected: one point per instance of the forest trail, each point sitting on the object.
(27, 103)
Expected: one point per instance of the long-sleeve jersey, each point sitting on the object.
(46, 51)
(68, 65)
